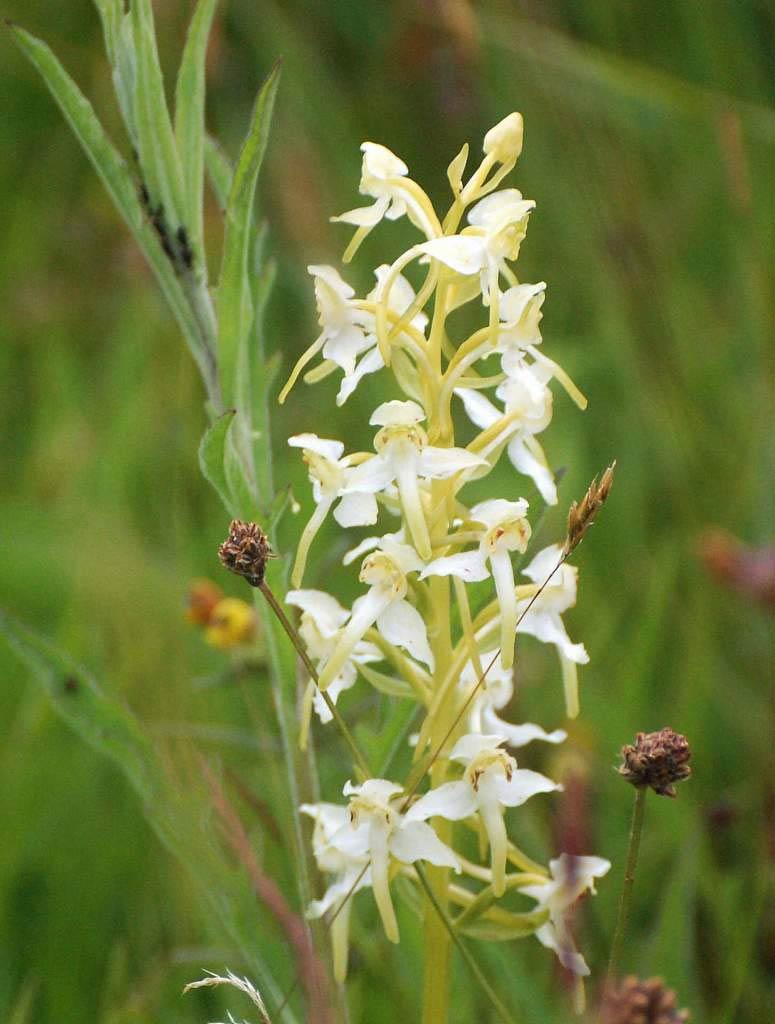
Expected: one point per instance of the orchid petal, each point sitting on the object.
(522, 785)
(402, 625)
(470, 566)
(416, 840)
(452, 800)
(356, 509)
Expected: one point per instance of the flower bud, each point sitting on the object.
(504, 140)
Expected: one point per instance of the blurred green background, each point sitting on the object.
(650, 149)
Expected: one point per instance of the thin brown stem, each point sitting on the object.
(293, 635)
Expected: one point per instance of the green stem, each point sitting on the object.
(360, 761)
(625, 901)
(472, 965)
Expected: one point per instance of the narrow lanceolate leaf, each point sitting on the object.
(122, 188)
(111, 13)
(219, 170)
(234, 302)
(102, 722)
(190, 119)
(175, 814)
(212, 458)
(159, 157)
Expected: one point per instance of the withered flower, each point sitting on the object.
(245, 551)
(642, 1002)
(657, 759)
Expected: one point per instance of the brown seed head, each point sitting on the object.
(642, 1002)
(582, 514)
(657, 759)
(245, 551)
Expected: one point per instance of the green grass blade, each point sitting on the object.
(159, 156)
(219, 170)
(190, 118)
(212, 458)
(111, 14)
(115, 175)
(174, 814)
(234, 302)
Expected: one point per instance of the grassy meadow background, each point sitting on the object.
(650, 150)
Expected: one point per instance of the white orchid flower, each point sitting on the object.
(377, 831)
(543, 619)
(571, 877)
(497, 225)
(493, 694)
(504, 529)
(321, 619)
(524, 452)
(385, 570)
(332, 480)
(404, 456)
(384, 178)
(491, 782)
(344, 327)
(351, 874)
(399, 299)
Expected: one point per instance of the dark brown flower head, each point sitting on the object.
(582, 514)
(245, 551)
(657, 759)
(642, 1002)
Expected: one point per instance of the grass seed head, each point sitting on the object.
(582, 514)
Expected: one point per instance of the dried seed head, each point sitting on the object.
(657, 759)
(642, 1002)
(245, 551)
(582, 515)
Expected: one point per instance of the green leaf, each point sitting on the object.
(115, 175)
(212, 458)
(235, 314)
(219, 170)
(174, 813)
(502, 926)
(158, 153)
(111, 15)
(391, 685)
(190, 119)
